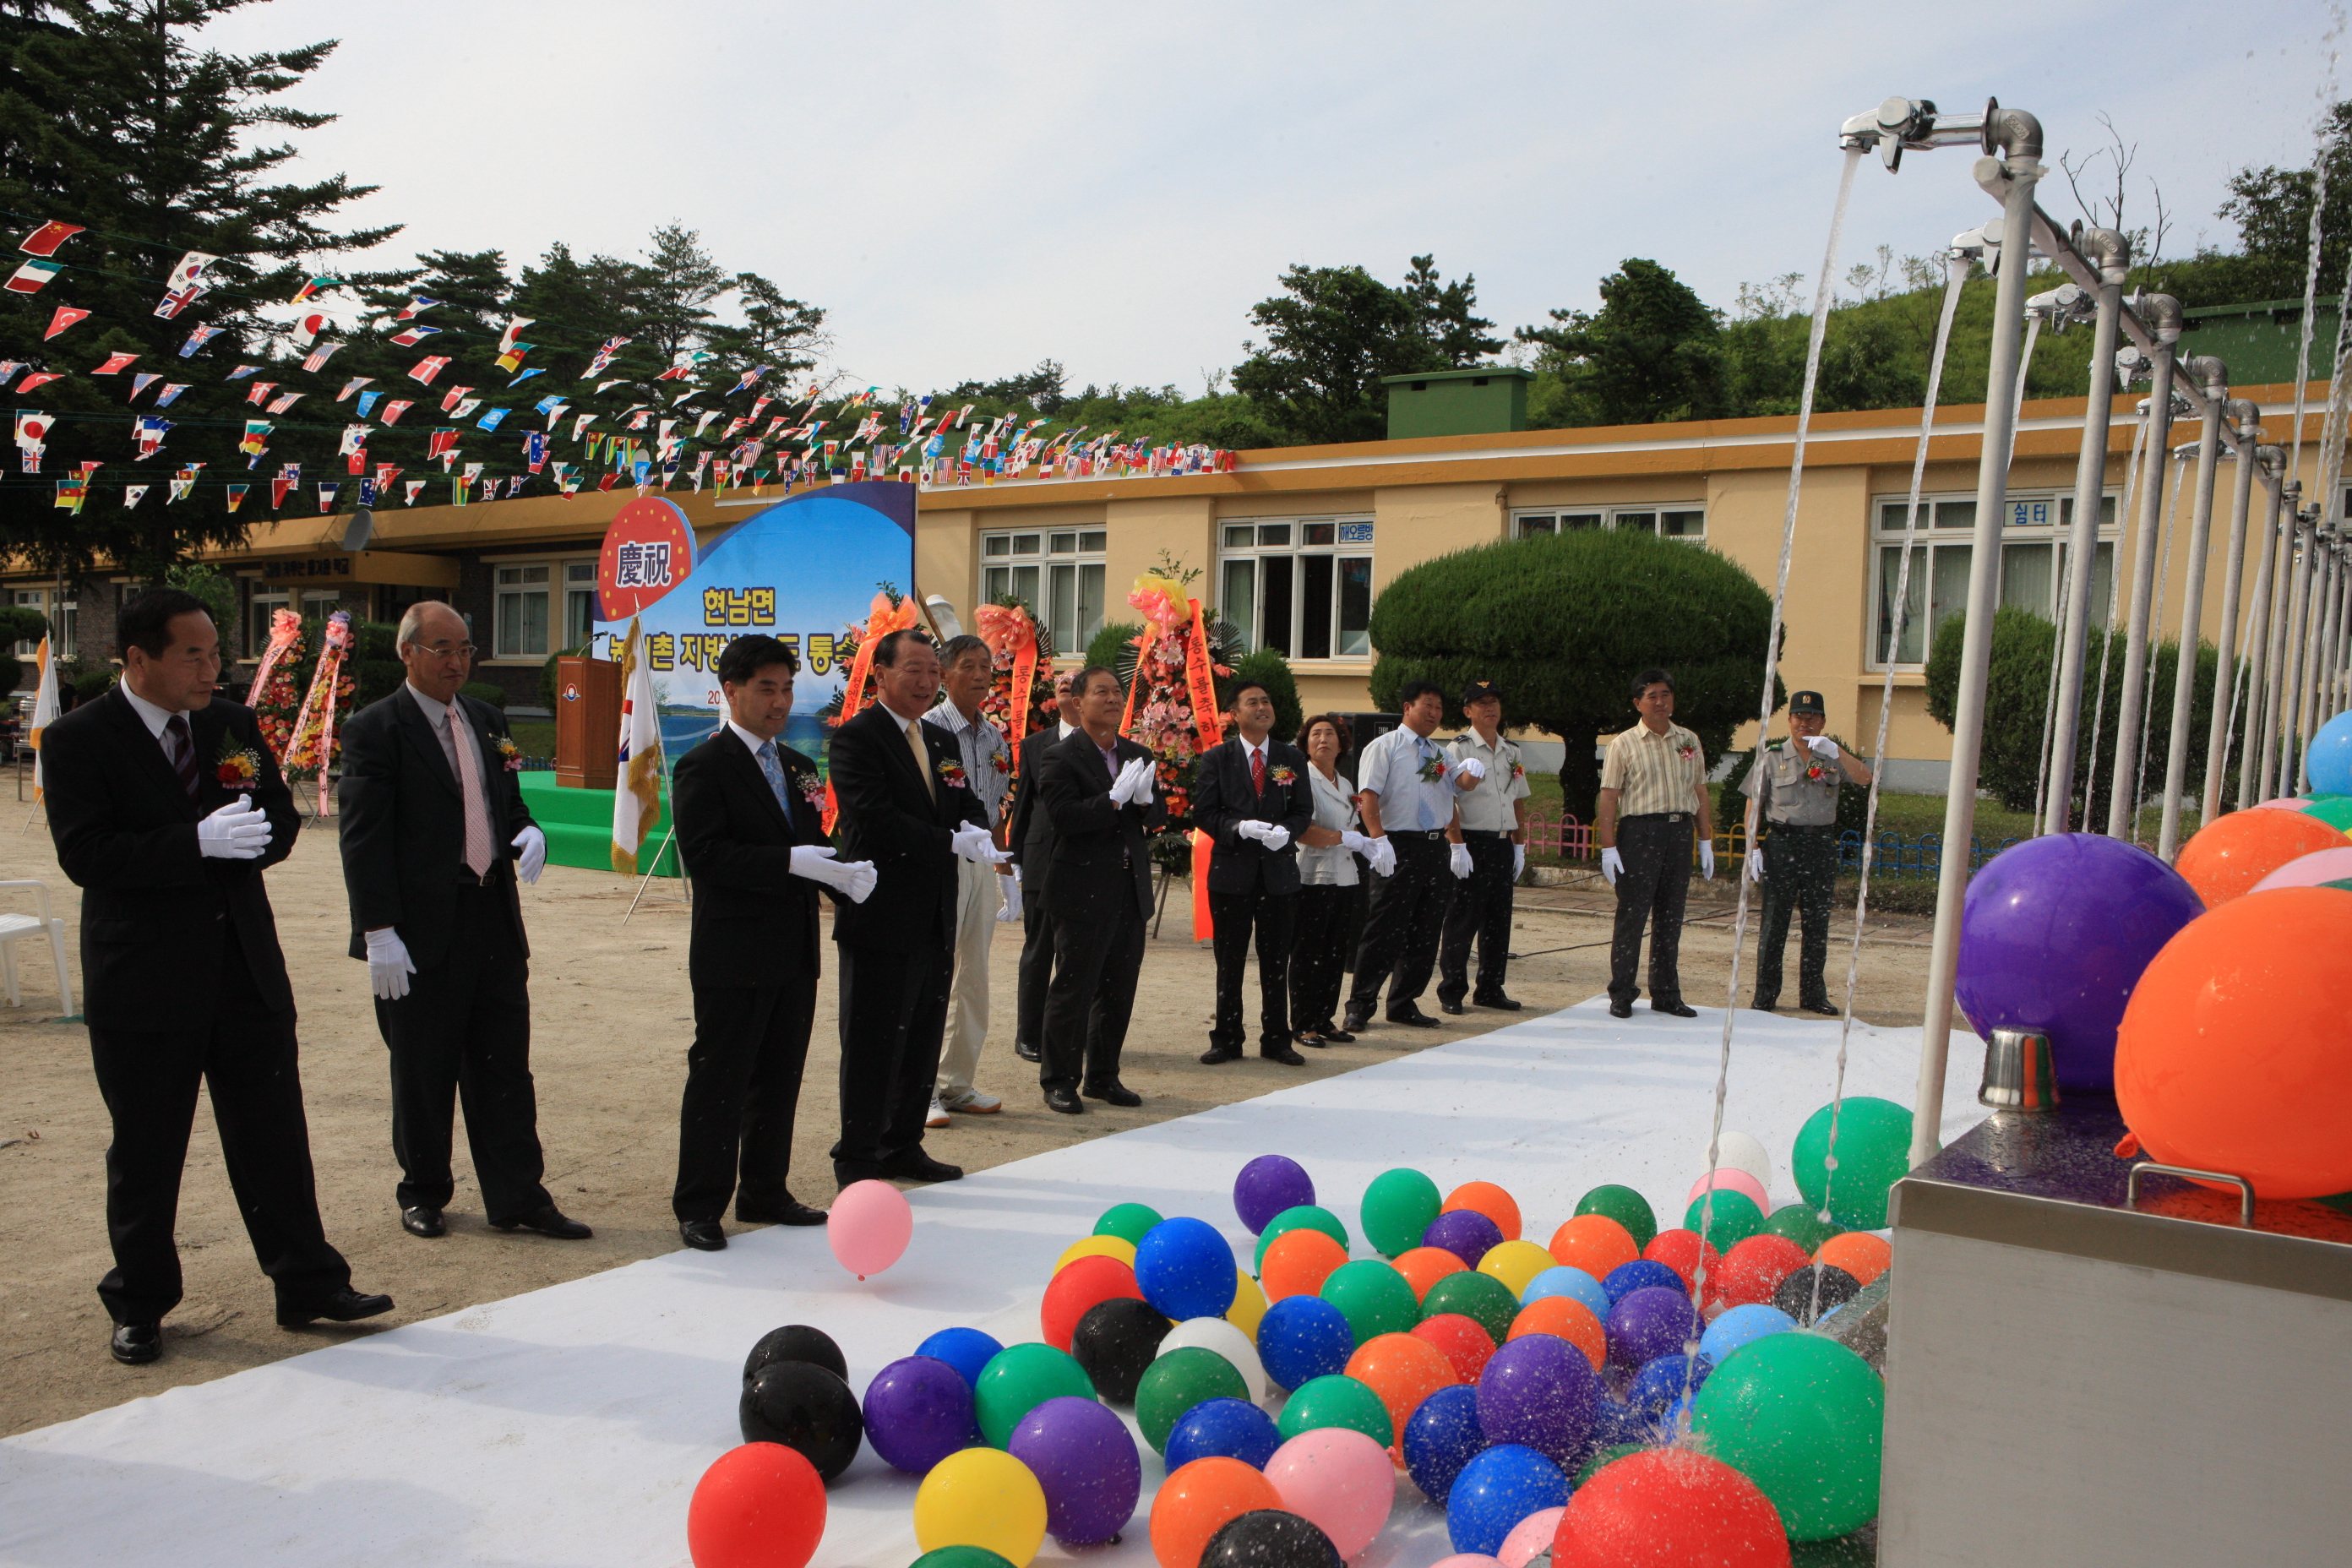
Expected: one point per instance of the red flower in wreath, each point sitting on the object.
(951, 773)
(1001, 762)
(1687, 752)
(1282, 775)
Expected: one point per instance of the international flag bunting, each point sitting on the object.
(427, 368)
(461, 492)
(260, 391)
(319, 356)
(32, 432)
(65, 317)
(9, 368)
(515, 324)
(141, 381)
(284, 401)
(465, 410)
(115, 364)
(603, 386)
(535, 370)
(368, 400)
(512, 359)
(71, 493)
(415, 305)
(277, 488)
(491, 420)
(134, 494)
(451, 399)
(412, 488)
(355, 440)
(315, 286)
(45, 240)
(367, 492)
(394, 409)
(439, 442)
(326, 493)
(39, 378)
(257, 438)
(353, 385)
(169, 307)
(31, 278)
(183, 482)
(147, 434)
(307, 329)
(197, 338)
(236, 495)
(534, 450)
(604, 357)
(240, 373)
(414, 336)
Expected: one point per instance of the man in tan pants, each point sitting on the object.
(984, 894)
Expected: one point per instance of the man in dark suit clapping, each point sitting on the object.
(905, 806)
(1250, 796)
(1098, 787)
(167, 807)
(1030, 839)
(749, 814)
(435, 835)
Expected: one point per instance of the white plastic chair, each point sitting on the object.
(16, 928)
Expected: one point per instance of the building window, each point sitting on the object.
(2032, 566)
(1674, 522)
(579, 603)
(61, 617)
(1056, 571)
(259, 609)
(1302, 587)
(522, 610)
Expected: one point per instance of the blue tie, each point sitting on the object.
(1422, 752)
(775, 771)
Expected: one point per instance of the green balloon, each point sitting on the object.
(1627, 1207)
(1803, 1417)
(1018, 1378)
(1373, 1297)
(961, 1557)
(1177, 1381)
(1801, 1226)
(1481, 1297)
(2335, 810)
(1592, 1466)
(1290, 1219)
(1334, 1400)
(2343, 882)
(1398, 1207)
(1873, 1150)
(1735, 1219)
(1128, 1222)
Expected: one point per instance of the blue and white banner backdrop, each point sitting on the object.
(802, 571)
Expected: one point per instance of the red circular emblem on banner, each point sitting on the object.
(648, 550)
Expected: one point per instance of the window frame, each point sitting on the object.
(1653, 516)
(1323, 557)
(559, 594)
(1884, 527)
(62, 616)
(1068, 577)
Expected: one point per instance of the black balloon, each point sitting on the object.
(1115, 1342)
(808, 1410)
(1795, 1296)
(1269, 1538)
(795, 1341)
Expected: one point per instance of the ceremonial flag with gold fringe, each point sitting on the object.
(636, 801)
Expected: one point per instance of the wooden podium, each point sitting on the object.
(587, 723)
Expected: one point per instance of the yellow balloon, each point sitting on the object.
(1515, 1263)
(1249, 1304)
(1117, 1247)
(985, 1498)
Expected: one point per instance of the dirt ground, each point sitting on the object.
(613, 1020)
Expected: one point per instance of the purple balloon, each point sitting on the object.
(1268, 1185)
(2053, 935)
(1648, 1324)
(1540, 1392)
(1466, 1234)
(918, 1411)
(1087, 1462)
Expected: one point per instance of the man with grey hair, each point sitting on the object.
(984, 894)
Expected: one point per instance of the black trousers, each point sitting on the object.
(1273, 917)
(1402, 925)
(1096, 961)
(245, 1056)
(1651, 891)
(1036, 966)
(462, 1036)
(894, 1013)
(1482, 907)
(742, 1087)
(1319, 948)
(1800, 879)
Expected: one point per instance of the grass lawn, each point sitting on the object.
(537, 737)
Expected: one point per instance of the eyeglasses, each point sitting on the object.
(446, 650)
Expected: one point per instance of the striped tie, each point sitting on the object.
(183, 748)
(478, 858)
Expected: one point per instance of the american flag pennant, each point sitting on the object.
(65, 317)
(197, 338)
(286, 400)
(308, 327)
(416, 304)
(427, 368)
(394, 409)
(260, 391)
(319, 356)
(353, 385)
(454, 396)
(32, 277)
(141, 383)
(412, 487)
(45, 240)
(413, 336)
(39, 378)
(328, 490)
(115, 364)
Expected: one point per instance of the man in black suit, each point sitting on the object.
(906, 807)
(749, 812)
(1030, 839)
(1250, 796)
(434, 833)
(166, 806)
(1098, 787)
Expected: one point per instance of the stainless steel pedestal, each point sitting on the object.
(2072, 1381)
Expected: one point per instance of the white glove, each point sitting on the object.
(1613, 866)
(389, 966)
(1382, 854)
(822, 863)
(1250, 827)
(236, 832)
(1756, 865)
(1272, 835)
(977, 844)
(1825, 748)
(1706, 859)
(533, 845)
(1128, 788)
(1354, 842)
(1011, 887)
(1458, 860)
(1518, 861)
(1467, 772)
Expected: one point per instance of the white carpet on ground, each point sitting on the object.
(568, 1426)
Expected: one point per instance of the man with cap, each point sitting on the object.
(1491, 784)
(1793, 791)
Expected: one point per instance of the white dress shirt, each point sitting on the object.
(1391, 768)
(438, 714)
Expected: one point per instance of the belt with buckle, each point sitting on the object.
(1810, 830)
(1420, 833)
(1482, 833)
(466, 878)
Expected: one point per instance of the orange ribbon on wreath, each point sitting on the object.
(285, 630)
(1007, 629)
(325, 683)
(882, 618)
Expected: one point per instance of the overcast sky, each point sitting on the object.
(968, 188)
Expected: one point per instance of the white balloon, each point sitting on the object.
(1740, 1151)
(1220, 1336)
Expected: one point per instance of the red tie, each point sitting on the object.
(1257, 771)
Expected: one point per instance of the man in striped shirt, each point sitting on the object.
(1653, 789)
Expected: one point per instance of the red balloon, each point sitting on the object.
(1681, 1251)
(1087, 1282)
(1464, 1340)
(1669, 1508)
(1754, 1269)
(759, 1506)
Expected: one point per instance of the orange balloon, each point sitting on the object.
(2233, 1053)
(1403, 1369)
(1594, 1243)
(1425, 1266)
(1859, 1253)
(1489, 1200)
(1086, 1283)
(1464, 1340)
(2227, 856)
(1198, 1500)
(1298, 1262)
(1567, 1318)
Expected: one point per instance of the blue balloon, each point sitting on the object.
(1573, 1283)
(2329, 757)
(1496, 1490)
(1661, 1383)
(1441, 1438)
(1614, 1424)
(1233, 1428)
(1740, 1325)
(1186, 1270)
(1302, 1338)
(1639, 1275)
(966, 1350)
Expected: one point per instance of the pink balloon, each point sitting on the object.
(2284, 803)
(1731, 1179)
(869, 1225)
(2310, 870)
(1339, 1480)
(1530, 1536)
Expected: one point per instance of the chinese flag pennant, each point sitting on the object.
(427, 368)
(115, 364)
(45, 240)
(39, 378)
(394, 409)
(33, 276)
(65, 317)
(236, 495)
(277, 488)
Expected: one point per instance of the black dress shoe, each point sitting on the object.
(345, 1306)
(546, 1220)
(1824, 1008)
(916, 1166)
(136, 1345)
(1620, 1009)
(1452, 1009)
(1765, 1003)
(1282, 1054)
(702, 1235)
(794, 1212)
(422, 1220)
(1313, 1042)
(1357, 1024)
(1025, 1051)
(1675, 1009)
(1500, 1002)
(1114, 1093)
(1338, 1038)
(1216, 1054)
(1413, 1017)
(1064, 1100)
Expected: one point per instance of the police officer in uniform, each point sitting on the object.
(1491, 794)
(1793, 789)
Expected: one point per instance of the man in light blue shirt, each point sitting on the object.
(1416, 853)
